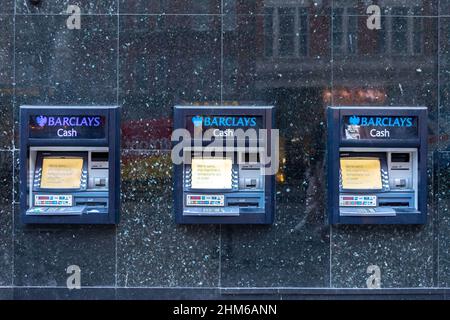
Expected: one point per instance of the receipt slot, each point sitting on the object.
(377, 165)
(226, 183)
(69, 165)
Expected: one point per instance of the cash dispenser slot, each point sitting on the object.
(393, 204)
(243, 202)
(94, 206)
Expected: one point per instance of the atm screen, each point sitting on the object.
(361, 173)
(61, 172)
(211, 173)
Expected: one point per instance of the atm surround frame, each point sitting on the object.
(111, 140)
(181, 112)
(335, 117)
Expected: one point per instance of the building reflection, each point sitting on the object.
(298, 55)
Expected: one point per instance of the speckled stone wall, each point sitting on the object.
(147, 56)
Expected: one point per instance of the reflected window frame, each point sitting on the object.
(413, 31)
(345, 29)
(401, 34)
(299, 33)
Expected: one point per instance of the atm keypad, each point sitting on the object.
(209, 211)
(76, 210)
(367, 212)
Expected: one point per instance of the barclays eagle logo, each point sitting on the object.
(197, 121)
(41, 120)
(354, 120)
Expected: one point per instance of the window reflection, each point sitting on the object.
(399, 30)
(286, 31)
(352, 31)
(268, 32)
(338, 31)
(303, 31)
(418, 29)
(289, 26)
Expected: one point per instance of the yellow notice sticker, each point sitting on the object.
(61, 173)
(211, 173)
(361, 173)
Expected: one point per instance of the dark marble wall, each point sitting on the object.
(300, 56)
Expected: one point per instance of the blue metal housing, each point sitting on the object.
(111, 140)
(261, 204)
(336, 142)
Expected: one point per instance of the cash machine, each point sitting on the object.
(377, 165)
(69, 164)
(230, 183)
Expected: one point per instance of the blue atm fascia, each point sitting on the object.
(407, 207)
(264, 201)
(102, 204)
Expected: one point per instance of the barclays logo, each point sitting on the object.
(224, 121)
(229, 121)
(381, 121)
(197, 121)
(354, 120)
(56, 121)
(41, 121)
